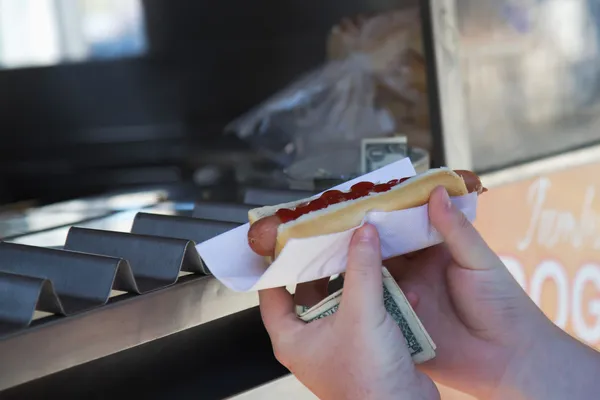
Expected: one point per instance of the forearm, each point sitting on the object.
(555, 367)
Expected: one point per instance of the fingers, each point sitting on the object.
(363, 284)
(278, 311)
(464, 242)
(413, 299)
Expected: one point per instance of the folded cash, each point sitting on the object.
(422, 347)
(377, 153)
(325, 308)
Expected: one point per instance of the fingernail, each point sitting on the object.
(367, 234)
(447, 203)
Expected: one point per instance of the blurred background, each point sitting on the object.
(98, 95)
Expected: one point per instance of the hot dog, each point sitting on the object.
(333, 211)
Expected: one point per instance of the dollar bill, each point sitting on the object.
(418, 339)
(325, 308)
(420, 344)
(377, 153)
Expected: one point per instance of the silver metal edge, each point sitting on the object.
(455, 132)
(67, 342)
(571, 159)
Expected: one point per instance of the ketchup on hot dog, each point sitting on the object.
(361, 189)
(262, 235)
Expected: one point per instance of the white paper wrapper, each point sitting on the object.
(232, 262)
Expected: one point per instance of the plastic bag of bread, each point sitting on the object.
(394, 42)
(372, 85)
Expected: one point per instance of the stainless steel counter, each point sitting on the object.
(14, 224)
(127, 321)
(54, 343)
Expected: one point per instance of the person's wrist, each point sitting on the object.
(552, 366)
(522, 374)
(418, 387)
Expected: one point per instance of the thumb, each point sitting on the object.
(363, 282)
(465, 244)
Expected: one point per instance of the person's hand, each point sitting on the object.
(358, 352)
(492, 340)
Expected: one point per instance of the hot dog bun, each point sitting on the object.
(349, 214)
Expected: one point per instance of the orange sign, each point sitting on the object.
(547, 232)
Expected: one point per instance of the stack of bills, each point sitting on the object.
(420, 344)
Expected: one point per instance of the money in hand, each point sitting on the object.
(420, 344)
(377, 153)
